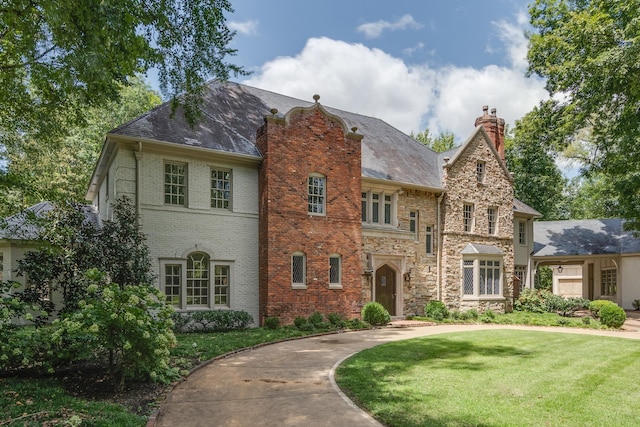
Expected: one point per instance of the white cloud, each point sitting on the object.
(369, 81)
(418, 47)
(247, 27)
(374, 29)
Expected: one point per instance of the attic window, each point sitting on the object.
(480, 169)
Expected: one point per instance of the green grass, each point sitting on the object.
(37, 402)
(498, 378)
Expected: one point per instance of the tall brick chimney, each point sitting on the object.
(494, 126)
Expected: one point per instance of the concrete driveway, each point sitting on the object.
(291, 383)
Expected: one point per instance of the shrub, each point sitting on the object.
(597, 305)
(532, 300)
(336, 320)
(565, 307)
(130, 327)
(272, 322)
(300, 322)
(356, 324)
(436, 310)
(636, 304)
(612, 315)
(316, 320)
(375, 314)
(473, 314)
(219, 320)
(487, 316)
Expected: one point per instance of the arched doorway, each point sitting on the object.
(386, 288)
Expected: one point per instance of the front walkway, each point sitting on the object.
(291, 383)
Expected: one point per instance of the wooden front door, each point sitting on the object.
(386, 288)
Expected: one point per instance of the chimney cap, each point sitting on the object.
(493, 111)
(485, 108)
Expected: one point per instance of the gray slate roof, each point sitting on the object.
(522, 207)
(232, 113)
(583, 237)
(475, 248)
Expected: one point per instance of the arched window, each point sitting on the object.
(197, 279)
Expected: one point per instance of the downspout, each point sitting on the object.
(138, 155)
(439, 246)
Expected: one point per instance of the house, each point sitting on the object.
(282, 207)
(592, 258)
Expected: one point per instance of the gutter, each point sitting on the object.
(439, 246)
(138, 155)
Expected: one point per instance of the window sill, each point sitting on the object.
(298, 286)
(335, 286)
(483, 298)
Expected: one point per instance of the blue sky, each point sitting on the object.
(414, 64)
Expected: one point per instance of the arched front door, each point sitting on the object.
(386, 288)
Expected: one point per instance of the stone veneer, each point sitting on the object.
(462, 186)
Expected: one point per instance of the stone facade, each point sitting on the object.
(309, 142)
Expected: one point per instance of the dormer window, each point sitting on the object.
(480, 169)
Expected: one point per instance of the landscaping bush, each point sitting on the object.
(636, 304)
(375, 314)
(532, 300)
(565, 307)
(612, 315)
(487, 316)
(272, 322)
(596, 306)
(302, 323)
(436, 310)
(336, 320)
(316, 320)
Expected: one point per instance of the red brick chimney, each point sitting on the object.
(494, 126)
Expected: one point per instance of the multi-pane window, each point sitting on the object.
(489, 277)
(197, 279)
(175, 184)
(522, 232)
(482, 278)
(173, 284)
(429, 239)
(480, 167)
(298, 269)
(220, 188)
(316, 194)
(491, 219)
(520, 271)
(413, 218)
(221, 284)
(335, 270)
(378, 208)
(609, 282)
(467, 217)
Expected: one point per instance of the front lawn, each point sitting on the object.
(498, 378)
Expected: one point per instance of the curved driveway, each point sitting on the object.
(291, 383)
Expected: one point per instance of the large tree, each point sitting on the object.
(58, 57)
(59, 170)
(589, 53)
(531, 157)
(442, 142)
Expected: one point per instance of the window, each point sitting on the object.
(467, 217)
(316, 195)
(378, 208)
(412, 221)
(522, 232)
(175, 184)
(335, 271)
(220, 188)
(480, 167)
(609, 282)
(198, 279)
(299, 270)
(520, 271)
(491, 219)
(482, 278)
(429, 239)
(173, 284)
(221, 284)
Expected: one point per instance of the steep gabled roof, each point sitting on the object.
(232, 113)
(583, 237)
(521, 207)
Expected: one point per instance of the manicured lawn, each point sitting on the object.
(498, 378)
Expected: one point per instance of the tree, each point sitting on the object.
(443, 142)
(59, 171)
(59, 57)
(72, 244)
(588, 51)
(530, 154)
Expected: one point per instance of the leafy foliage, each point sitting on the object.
(436, 310)
(210, 320)
(443, 142)
(597, 305)
(612, 315)
(542, 300)
(130, 326)
(272, 322)
(71, 244)
(375, 314)
(587, 51)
